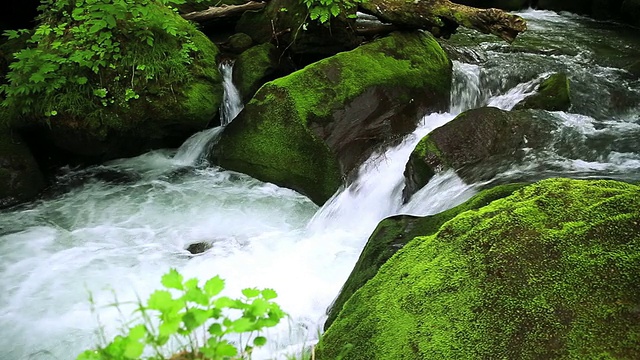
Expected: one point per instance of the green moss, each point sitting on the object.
(394, 61)
(548, 272)
(552, 95)
(268, 142)
(395, 232)
(253, 66)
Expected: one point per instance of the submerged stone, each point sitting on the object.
(310, 129)
(478, 144)
(552, 95)
(549, 272)
(198, 248)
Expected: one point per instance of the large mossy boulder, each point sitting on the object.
(144, 95)
(394, 232)
(550, 272)
(477, 144)
(551, 95)
(20, 177)
(308, 130)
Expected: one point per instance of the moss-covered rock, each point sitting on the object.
(478, 144)
(550, 272)
(309, 129)
(239, 42)
(20, 177)
(394, 232)
(152, 96)
(552, 95)
(254, 67)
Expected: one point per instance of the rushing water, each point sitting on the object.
(114, 236)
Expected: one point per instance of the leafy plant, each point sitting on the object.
(324, 10)
(197, 316)
(105, 50)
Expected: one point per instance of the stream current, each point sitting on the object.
(112, 230)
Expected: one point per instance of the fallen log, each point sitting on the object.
(442, 17)
(223, 11)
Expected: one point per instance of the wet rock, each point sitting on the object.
(308, 130)
(478, 144)
(239, 42)
(548, 271)
(552, 95)
(20, 177)
(393, 233)
(198, 248)
(254, 67)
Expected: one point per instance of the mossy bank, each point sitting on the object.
(548, 272)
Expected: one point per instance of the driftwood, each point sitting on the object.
(442, 17)
(223, 11)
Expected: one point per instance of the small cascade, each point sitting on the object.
(193, 151)
(466, 92)
(513, 96)
(231, 101)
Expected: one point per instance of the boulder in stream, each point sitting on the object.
(150, 95)
(548, 272)
(20, 177)
(395, 232)
(478, 144)
(310, 129)
(552, 95)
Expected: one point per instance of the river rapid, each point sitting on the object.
(109, 232)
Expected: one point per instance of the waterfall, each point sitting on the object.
(231, 101)
(193, 151)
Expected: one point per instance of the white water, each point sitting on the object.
(108, 238)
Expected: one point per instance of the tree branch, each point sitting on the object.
(223, 11)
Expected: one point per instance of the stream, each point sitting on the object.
(109, 232)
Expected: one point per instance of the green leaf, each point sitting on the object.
(226, 349)
(250, 292)
(194, 318)
(36, 77)
(214, 286)
(269, 294)
(260, 341)
(172, 280)
(133, 350)
(215, 329)
(168, 328)
(191, 284)
(137, 332)
(160, 300)
(242, 325)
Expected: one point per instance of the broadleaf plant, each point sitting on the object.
(183, 312)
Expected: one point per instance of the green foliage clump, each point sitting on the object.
(86, 55)
(196, 316)
(324, 10)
